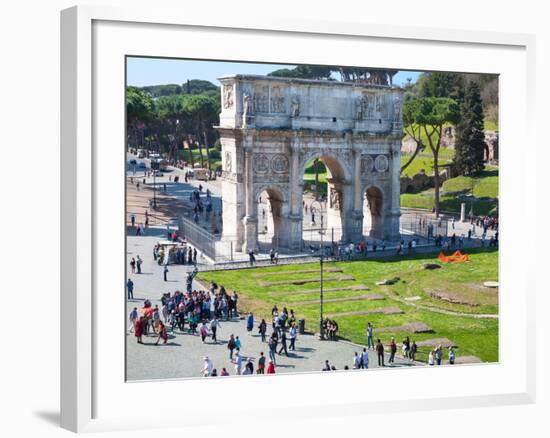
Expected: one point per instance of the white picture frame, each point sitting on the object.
(94, 41)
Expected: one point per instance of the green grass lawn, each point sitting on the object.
(309, 177)
(422, 162)
(480, 191)
(474, 336)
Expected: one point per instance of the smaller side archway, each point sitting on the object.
(373, 212)
(272, 213)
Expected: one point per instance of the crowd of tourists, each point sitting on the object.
(201, 313)
(179, 255)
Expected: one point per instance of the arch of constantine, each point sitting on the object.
(271, 128)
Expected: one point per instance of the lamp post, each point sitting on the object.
(154, 179)
(321, 262)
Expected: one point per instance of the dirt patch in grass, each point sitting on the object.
(444, 342)
(388, 282)
(453, 298)
(372, 297)
(303, 271)
(304, 281)
(467, 359)
(381, 310)
(413, 327)
(355, 287)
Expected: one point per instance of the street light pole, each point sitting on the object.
(321, 260)
(154, 182)
(321, 263)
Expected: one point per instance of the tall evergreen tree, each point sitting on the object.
(470, 136)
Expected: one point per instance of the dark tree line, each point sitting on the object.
(174, 119)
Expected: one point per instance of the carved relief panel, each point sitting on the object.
(277, 101)
(261, 99)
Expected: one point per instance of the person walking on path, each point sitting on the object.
(140, 326)
(431, 358)
(356, 361)
(293, 334)
(451, 355)
(261, 363)
(438, 354)
(370, 341)
(161, 330)
(133, 265)
(139, 261)
(133, 317)
(406, 347)
(393, 350)
(271, 367)
(248, 368)
(380, 353)
(214, 324)
(203, 332)
(272, 344)
(133, 219)
(412, 352)
(237, 343)
(130, 287)
(165, 271)
(206, 366)
(283, 343)
(364, 359)
(249, 323)
(262, 328)
(251, 257)
(238, 361)
(231, 346)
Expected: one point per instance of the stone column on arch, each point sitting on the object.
(357, 212)
(393, 210)
(294, 234)
(250, 219)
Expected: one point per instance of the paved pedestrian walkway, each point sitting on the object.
(183, 355)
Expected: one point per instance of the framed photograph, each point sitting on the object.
(328, 208)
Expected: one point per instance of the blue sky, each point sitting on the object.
(157, 71)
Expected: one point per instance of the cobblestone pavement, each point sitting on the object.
(182, 356)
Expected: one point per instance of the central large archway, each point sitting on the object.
(324, 203)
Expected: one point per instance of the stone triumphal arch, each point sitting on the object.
(271, 128)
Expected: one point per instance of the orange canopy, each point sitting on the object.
(457, 256)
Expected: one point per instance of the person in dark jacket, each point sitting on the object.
(393, 350)
(283, 343)
(380, 353)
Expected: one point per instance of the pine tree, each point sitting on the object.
(470, 136)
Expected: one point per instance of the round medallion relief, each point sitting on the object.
(367, 163)
(279, 163)
(261, 163)
(381, 163)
